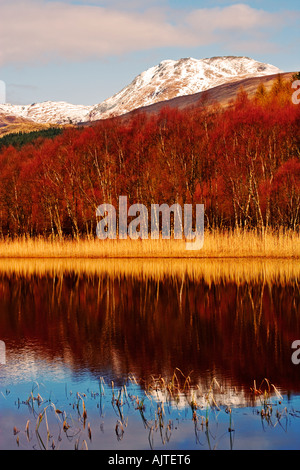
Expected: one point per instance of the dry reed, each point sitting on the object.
(238, 244)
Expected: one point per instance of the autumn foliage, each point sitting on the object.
(241, 162)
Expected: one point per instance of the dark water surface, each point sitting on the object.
(85, 333)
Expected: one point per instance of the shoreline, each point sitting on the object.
(151, 257)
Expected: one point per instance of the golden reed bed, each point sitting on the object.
(216, 245)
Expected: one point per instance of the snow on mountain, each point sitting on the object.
(48, 112)
(172, 78)
(169, 79)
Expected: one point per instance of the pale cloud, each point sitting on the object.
(34, 31)
(238, 17)
(31, 30)
(123, 5)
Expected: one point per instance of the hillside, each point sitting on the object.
(222, 95)
(9, 124)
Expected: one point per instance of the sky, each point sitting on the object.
(84, 51)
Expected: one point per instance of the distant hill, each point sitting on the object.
(9, 124)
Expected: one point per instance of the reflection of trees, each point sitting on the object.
(146, 326)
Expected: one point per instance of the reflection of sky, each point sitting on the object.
(61, 363)
(56, 384)
(250, 431)
(27, 365)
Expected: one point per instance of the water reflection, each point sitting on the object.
(234, 321)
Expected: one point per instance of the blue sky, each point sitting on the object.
(84, 51)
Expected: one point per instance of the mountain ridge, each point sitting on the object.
(167, 80)
(223, 95)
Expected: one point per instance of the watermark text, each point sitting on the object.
(296, 354)
(2, 353)
(165, 221)
(296, 94)
(2, 92)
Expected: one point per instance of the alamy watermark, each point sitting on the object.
(2, 92)
(296, 354)
(2, 353)
(161, 221)
(296, 94)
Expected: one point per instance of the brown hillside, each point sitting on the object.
(223, 95)
(9, 124)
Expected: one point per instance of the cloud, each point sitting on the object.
(40, 31)
(31, 30)
(238, 17)
(121, 4)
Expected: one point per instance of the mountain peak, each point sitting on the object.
(169, 79)
(172, 78)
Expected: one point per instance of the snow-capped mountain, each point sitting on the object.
(172, 78)
(169, 79)
(48, 112)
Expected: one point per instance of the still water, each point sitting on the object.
(133, 354)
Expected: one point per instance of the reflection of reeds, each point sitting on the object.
(164, 309)
(158, 409)
(271, 271)
(235, 244)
